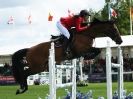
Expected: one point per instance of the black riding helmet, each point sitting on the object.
(84, 13)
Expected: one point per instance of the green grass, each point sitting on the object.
(99, 89)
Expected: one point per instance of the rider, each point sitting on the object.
(66, 23)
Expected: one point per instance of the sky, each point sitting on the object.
(21, 34)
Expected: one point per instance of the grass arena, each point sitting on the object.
(36, 91)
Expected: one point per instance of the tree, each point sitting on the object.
(123, 19)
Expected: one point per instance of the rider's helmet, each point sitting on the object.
(84, 13)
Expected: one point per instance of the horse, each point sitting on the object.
(29, 61)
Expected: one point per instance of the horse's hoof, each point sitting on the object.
(17, 92)
(20, 91)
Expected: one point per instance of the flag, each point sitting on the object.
(29, 19)
(50, 17)
(11, 20)
(70, 14)
(113, 13)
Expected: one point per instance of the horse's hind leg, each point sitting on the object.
(19, 73)
(23, 87)
(23, 83)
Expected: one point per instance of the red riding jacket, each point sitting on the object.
(70, 22)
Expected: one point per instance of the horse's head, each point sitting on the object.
(106, 28)
(113, 32)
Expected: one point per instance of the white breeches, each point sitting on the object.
(63, 30)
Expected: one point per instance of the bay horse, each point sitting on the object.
(34, 60)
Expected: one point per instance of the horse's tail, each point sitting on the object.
(18, 67)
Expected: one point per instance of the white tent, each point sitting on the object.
(98, 42)
(102, 42)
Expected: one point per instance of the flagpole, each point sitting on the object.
(131, 32)
(109, 17)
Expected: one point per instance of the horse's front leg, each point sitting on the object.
(92, 53)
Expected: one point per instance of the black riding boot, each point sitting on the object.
(66, 46)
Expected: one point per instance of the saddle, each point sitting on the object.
(54, 38)
(59, 41)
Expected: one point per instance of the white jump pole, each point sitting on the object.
(68, 75)
(59, 76)
(81, 68)
(52, 78)
(109, 66)
(108, 72)
(52, 75)
(120, 74)
(74, 80)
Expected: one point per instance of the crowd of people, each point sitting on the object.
(90, 66)
(99, 66)
(6, 70)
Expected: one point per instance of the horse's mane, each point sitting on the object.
(96, 21)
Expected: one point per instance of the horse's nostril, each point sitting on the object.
(119, 42)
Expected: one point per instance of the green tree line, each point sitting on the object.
(122, 7)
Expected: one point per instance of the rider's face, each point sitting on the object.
(86, 18)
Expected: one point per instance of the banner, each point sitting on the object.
(50, 17)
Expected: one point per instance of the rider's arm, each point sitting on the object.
(79, 27)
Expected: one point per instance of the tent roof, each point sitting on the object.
(99, 42)
(102, 41)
